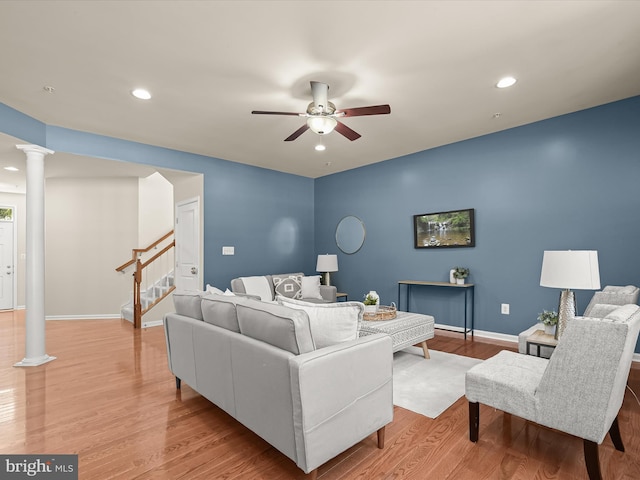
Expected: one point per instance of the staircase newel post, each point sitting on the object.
(137, 304)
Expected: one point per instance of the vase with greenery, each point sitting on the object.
(460, 273)
(550, 319)
(371, 301)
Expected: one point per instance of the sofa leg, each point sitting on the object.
(178, 381)
(616, 438)
(312, 475)
(592, 460)
(474, 421)
(381, 437)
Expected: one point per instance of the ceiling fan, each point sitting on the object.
(322, 116)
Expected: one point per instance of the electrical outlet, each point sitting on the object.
(504, 309)
(228, 251)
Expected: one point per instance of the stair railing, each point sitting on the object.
(139, 276)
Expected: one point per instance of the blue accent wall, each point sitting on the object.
(570, 182)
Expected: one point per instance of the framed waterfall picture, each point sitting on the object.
(444, 229)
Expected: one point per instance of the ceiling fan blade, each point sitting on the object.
(360, 111)
(297, 133)
(342, 129)
(261, 112)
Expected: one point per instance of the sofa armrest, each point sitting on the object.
(329, 293)
(341, 394)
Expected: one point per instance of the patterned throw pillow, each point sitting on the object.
(288, 285)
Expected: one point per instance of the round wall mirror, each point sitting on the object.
(350, 234)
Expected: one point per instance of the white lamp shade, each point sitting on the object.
(327, 263)
(570, 269)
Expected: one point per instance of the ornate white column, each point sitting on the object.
(35, 319)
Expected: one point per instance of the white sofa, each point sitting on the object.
(259, 363)
(290, 285)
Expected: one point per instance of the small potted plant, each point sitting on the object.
(460, 273)
(550, 320)
(371, 302)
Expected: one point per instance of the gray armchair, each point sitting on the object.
(579, 390)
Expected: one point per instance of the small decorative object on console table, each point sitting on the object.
(460, 273)
(550, 320)
(569, 269)
(371, 302)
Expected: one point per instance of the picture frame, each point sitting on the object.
(452, 229)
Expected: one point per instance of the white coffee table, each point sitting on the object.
(405, 330)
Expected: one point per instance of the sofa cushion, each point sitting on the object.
(258, 285)
(288, 284)
(311, 287)
(331, 323)
(187, 303)
(276, 325)
(220, 310)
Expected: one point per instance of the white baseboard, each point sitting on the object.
(153, 323)
(514, 339)
(106, 316)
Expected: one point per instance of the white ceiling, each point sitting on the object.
(209, 63)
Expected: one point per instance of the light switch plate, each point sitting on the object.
(228, 250)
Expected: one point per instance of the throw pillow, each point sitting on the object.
(331, 323)
(213, 290)
(623, 313)
(258, 286)
(601, 310)
(229, 293)
(311, 287)
(288, 285)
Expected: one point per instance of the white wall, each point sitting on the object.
(155, 208)
(18, 200)
(91, 226)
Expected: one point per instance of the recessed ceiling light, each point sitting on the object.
(12, 169)
(506, 82)
(320, 148)
(141, 93)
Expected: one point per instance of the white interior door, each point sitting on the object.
(187, 233)
(6, 265)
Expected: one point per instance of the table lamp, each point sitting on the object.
(569, 269)
(326, 264)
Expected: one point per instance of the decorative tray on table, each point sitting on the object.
(383, 313)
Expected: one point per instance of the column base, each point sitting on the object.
(34, 362)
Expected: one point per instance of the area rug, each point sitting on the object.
(428, 387)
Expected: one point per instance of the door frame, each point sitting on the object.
(14, 280)
(182, 203)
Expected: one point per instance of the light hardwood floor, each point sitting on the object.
(109, 397)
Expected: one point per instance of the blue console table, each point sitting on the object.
(468, 289)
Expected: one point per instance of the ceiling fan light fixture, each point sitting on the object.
(320, 148)
(322, 125)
